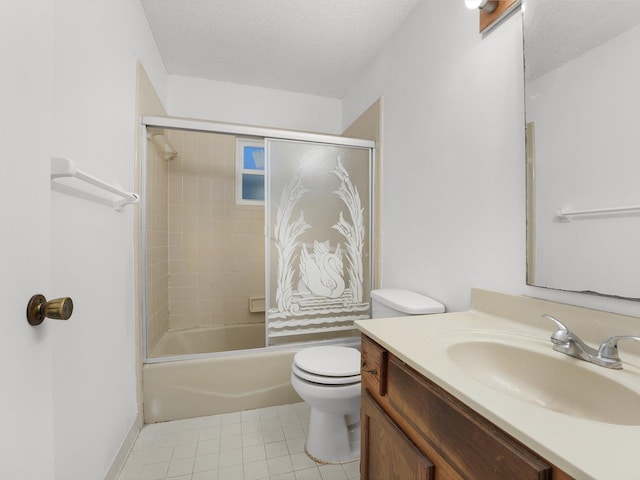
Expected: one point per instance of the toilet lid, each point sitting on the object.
(329, 361)
(323, 379)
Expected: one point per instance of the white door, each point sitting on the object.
(26, 419)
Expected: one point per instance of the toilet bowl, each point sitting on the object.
(328, 379)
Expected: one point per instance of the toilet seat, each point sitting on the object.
(324, 379)
(328, 365)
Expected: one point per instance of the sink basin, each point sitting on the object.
(547, 379)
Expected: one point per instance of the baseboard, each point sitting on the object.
(125, 448)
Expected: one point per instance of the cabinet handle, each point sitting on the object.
(38, 308)
(372, 371)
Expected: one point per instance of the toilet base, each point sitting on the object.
(333, 438)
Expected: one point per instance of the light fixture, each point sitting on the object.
(484, 5)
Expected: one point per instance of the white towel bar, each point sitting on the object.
(63, 167)
(566, 214)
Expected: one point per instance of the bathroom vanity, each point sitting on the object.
(412, 428)
(434, 407)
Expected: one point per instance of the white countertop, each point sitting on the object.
(583, 448)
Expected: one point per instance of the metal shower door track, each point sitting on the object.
(242, 130)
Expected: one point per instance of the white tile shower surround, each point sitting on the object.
(262, 444)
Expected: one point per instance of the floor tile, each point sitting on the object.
(210, 432)
(206, 447)
(182, 466)
(188, 436)
(276, 449)
(230, 418)
(301, 461)
(230, 429)
(256, 470)
(261, 444)
(252, 439)
(159, 454)
(279, 465)
(308, 474)
(253, 454)
(273, 435)
(207, 475)
(250, 415)
(290, 419)
(251, 426)
(352, 469)
(332, 472)
(155, 471)
(231, 473)
(270, 423)
(293, 431)
(230, 458)
(230, 442)
(296, 445)
(206, 462)
(284, 476)
(185, 450)
(269, 412)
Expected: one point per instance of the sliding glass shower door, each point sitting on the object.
(318, 240)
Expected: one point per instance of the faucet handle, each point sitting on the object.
(561, 326)
(562, 335)
(609, 347)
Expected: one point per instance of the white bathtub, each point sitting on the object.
(209, 340)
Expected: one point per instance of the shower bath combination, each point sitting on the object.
(306, 250)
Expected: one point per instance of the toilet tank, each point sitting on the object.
(397, 302)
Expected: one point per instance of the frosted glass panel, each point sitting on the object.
(252, 187)
(318, 249)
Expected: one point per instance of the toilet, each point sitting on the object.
(328, 379)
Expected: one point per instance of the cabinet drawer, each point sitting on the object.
(474, 447)
(374, 365)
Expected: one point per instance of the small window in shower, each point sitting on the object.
(249, 171)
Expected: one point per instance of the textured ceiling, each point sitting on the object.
(309, 46)
(556, 31)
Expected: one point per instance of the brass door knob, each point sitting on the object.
(38, 308)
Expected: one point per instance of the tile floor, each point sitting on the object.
(263, 444)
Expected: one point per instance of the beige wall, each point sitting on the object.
(369, 126)
(216, 248)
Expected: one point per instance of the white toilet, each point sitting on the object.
(328, 379)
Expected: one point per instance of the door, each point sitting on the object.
(318, 245)
(26, 443)
(387, 453)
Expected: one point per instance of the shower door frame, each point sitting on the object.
(237, 130)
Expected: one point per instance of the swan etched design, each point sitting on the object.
(321, 271)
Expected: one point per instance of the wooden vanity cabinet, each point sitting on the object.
(413, 429)
(389, 453)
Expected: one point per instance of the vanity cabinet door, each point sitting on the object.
(387, 453)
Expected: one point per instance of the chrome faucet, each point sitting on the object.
(567, 342)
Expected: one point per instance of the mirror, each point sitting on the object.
(582, 103)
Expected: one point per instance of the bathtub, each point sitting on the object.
(209, 340)
(176, 388)
(219, 384)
